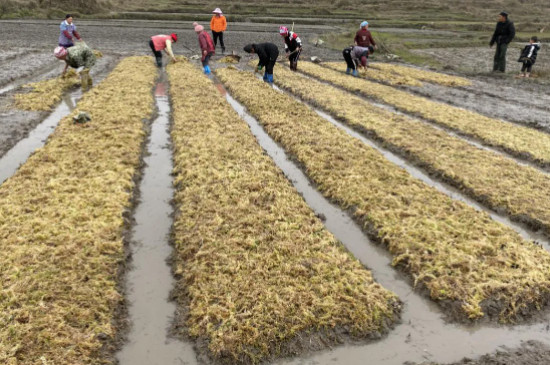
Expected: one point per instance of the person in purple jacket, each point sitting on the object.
(68, 32)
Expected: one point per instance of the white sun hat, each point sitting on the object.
(217, 11)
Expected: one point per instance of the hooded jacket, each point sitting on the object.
(504, 33)
(529, 53)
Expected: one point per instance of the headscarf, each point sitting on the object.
(59, 52)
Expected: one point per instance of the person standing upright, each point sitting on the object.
(503, 35)
(207, 47)
(363, 37)
(218, 25)
(68, 32)
(293, 46)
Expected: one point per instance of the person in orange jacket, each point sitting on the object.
(218, 25)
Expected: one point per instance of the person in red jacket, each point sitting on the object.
(363, 38)
(207, 47)
(163, 42)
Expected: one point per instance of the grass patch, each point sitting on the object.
(467, 261)
(518, 140)
(258, 274)
(492, 179)
(62, 223)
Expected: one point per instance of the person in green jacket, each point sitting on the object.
(78, 56)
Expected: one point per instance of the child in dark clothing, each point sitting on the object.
(529, 56)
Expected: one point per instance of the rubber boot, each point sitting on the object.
(84, 79)
(207, 70)
(223, 50)
(159, 61)
(265, 76)
(348, 71)
(270, 78)
(355, 73)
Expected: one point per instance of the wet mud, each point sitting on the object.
(529, 353)
(24, 65)
(132, 36)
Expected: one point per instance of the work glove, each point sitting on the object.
(259, 69)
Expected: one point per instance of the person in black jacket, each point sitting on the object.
(268, 53)
(503, 35)
(529, 56)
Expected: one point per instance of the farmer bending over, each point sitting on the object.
(267, 53)
(163, 42)
(76, 57)
(355, 57)
(293, 46)
(68, 32)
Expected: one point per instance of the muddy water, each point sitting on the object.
(10, 162)
(423, 335)
(150, 281)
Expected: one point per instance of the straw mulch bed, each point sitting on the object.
(45, 94)
(62, 220)
(520, 141)
(523, 192)
(258, 274)
(468, 263)
(423, 75)
(379, 75)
